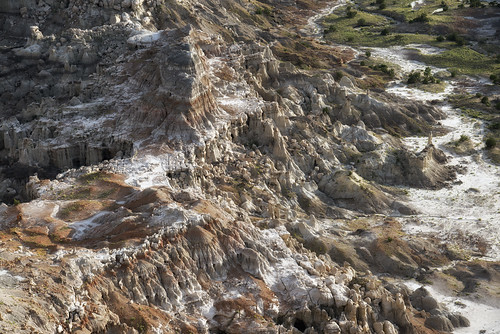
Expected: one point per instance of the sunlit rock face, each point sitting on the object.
(172, 79)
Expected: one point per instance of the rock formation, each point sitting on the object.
(166, 159)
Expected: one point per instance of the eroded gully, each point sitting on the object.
(470, 207)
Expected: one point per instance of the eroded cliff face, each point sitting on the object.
(209, 161)
(113, 84)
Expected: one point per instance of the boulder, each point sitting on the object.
(440, 323)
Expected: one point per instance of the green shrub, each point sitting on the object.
(361, 22)
(422, 18)
(440, 38)
(331, 28)
(452, 37)
(351, 13)
(475, 3)
(485, 100)
(368, 54)
(490, 143)
(426, 78)
(384, 68)
(414, 77)
(266, 11)
(460, 41)
(384, 32)
(463, 138)
(494, 126)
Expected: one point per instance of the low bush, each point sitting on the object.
(490, 143)
(494, 126)
(351, 13)
(426, 78)
(463, 139)
(331, 28)
(475, 3)
(338, 75)
(422, 18)
(414, 77)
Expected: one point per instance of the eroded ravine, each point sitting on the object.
(472, 203)
(470, 207)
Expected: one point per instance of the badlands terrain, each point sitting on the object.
(235, 166)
